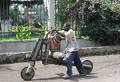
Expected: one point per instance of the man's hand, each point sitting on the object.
(66, 50)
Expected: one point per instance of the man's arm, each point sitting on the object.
(60, 33)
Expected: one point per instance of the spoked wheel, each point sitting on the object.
(27, 76)
(88, 66)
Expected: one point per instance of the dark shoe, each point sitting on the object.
(83, 74)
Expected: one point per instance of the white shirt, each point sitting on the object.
(71, 40)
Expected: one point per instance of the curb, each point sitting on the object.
(6, 58)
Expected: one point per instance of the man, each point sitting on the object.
(72, 51)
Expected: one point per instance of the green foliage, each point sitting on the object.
(100, 21)
(39, 29)
(61, 7)
(102, 25)
(23, 32)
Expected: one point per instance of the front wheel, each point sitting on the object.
(27, 75)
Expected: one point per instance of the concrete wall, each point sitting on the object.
(81, 43)
(16, 46)
(86, 51)
(15, 51)
(23, 46)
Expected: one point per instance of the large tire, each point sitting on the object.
(27, 76)
(88, 66)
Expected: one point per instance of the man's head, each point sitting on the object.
(66, 26)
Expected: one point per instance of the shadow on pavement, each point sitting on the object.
(50, 78)
(75, 78)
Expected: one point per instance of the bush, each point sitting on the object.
(98, 21)
(23, 32)
(102, 26)
(39, 29)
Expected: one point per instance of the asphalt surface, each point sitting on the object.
(106, 69)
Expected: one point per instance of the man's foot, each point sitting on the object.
(67, 76)
(83, 74)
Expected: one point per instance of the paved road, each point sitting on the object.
(106, 69)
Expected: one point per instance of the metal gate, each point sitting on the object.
(17, 13)
(65, 13)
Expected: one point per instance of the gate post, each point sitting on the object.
(51, 13)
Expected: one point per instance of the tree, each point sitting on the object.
(61, 8)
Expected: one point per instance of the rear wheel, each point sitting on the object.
(27, 76)
(88, 66)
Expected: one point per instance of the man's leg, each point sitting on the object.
(69, 63)
(78, 64)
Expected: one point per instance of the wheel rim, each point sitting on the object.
(88, 66)
(27, 76)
